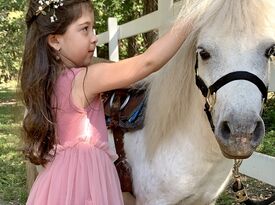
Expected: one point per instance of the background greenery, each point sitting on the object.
(12, 29)
(11, 37)
(12, 165)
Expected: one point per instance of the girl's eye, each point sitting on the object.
(85, 28)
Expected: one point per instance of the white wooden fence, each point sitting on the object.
(259, 166)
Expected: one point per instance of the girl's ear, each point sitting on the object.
(53, 41)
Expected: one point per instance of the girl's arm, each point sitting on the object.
(107, 76)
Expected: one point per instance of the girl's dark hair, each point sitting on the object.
(39, 71)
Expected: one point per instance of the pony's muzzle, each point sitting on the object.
(238, 139)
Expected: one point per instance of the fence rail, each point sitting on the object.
(261, 167)
(258, 166)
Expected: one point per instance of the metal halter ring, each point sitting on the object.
(211, 100)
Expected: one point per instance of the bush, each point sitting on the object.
(267, 147)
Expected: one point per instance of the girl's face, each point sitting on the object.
(79, 41)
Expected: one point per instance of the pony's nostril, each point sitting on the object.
(255, 131)
(258, 132)
(225, 130)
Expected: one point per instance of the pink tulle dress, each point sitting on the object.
(82, 172)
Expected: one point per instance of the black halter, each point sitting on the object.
(208, 92)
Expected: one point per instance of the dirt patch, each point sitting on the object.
(256, 190)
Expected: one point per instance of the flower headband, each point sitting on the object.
(54, 4)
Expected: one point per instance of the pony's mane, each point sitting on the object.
(231, 15)
(173, 88)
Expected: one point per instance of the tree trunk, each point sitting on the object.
(149, 7)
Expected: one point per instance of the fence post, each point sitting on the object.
(272, 77)
(166, 14)
(113, 39)
(95, 52)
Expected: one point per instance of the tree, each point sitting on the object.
(124, 11)
(11, 38)
(150, 6)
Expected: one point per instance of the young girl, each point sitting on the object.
(64, 128)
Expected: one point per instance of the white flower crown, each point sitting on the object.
(51, 4)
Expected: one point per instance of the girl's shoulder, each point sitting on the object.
(72, 71)
(66, 78)
(68, 74)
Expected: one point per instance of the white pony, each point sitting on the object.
(176, 158)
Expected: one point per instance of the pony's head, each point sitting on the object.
(236, 36)
(228, 36)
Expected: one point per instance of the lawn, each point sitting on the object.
(13, 171)
(12, 166)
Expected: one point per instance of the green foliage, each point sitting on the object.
(268, 144)
(269, 113)
(11, 38)
(12, 29)
(124, 11)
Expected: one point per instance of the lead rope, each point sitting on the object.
(240, 191)
(237, 187)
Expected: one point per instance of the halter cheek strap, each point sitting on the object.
(208, 92)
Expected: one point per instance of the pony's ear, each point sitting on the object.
(53, 41)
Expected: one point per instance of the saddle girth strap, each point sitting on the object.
(122, 166)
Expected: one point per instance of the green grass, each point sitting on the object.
(225, 199)
(268, 144)
(12, 166)
(7, 92)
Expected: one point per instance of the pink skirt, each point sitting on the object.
(80, 174)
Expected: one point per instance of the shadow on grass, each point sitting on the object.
(8, 95)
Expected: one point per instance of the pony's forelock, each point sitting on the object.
(230, 15)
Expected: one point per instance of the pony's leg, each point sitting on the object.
(128, 198)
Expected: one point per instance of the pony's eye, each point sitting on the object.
(204, 55)
(270, 51)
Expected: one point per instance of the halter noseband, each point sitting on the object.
(210, 92)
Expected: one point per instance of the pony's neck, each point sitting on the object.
(172, 97)
(169, 98)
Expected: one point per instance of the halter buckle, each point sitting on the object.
(211, 100)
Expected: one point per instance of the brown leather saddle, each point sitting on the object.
(124, 112)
